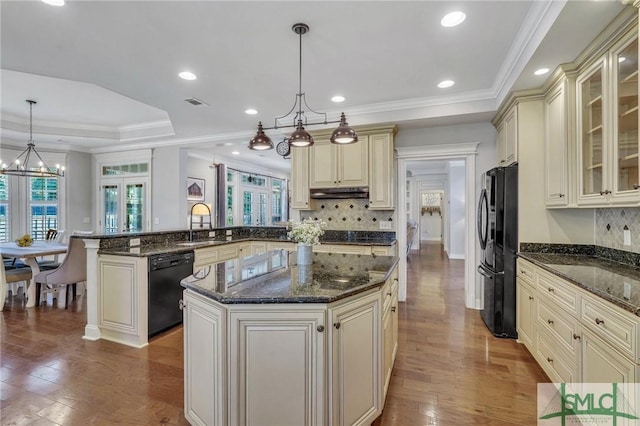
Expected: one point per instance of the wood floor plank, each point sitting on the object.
(449, 369)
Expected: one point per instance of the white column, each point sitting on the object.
(91, 330)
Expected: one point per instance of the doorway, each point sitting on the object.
(459, 209)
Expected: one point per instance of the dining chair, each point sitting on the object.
(71, 271)
(12, 276)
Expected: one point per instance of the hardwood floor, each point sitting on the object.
(449, 371)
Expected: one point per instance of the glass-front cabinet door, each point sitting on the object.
(123, 205)
(624, 61)
(591, 133)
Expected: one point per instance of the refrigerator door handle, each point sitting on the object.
(487, 274)
(483, 207)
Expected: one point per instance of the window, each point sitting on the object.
(4, 208)
(253, 199)
(43, 206)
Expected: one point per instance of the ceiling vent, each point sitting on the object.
(196, 102)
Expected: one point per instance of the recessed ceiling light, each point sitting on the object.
(446, 83)
(541, 71)
(621, 59)
(187, 75)
(54, 2)
(251, 111)
(228, 144)
(337, 98)
(235, 152)
(452, 19)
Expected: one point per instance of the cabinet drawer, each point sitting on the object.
(342, 248)
(228, 252)
(558, 366)
(526, 271)
(205, 256)
(562, 328)
(383, 250)
(613, 326)
(282, 246)
(557, 291)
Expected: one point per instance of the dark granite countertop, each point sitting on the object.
(616, 282)
(274, 278)
(185, 246)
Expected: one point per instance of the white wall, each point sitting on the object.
(80, 187)
(169, 209)
(456, 210)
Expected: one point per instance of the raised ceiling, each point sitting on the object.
(104, 73)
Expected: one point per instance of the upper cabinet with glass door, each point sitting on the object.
(625, 121)
(608, 127)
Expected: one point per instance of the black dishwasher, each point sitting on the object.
(165, 291)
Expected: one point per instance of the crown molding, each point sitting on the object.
(540, 18)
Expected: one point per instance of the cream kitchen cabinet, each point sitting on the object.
(300, 196)
(123, 299)
(276, 361)
(507, 137)
(607, 123)
(559, 136)
(382, 176)
(205, 375)
(355, 371)
(526, 313)
(389, 328)
(333, 165)
(579, 337)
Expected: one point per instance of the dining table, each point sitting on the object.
(29, 255)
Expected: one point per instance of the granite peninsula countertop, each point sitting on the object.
(613, 281)
(274, 278)
(171, 246)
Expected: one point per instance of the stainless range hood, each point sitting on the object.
(338, 193)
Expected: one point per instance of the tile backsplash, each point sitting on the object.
(610, 225)
(350, 214)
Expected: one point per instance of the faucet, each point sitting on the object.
(199, 209)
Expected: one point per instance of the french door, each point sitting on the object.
(124, 205)
(255, 207)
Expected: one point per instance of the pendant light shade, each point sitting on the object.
(300, 137)
(344, 134)
(260, 141)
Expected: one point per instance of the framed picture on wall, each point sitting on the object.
(195, 189)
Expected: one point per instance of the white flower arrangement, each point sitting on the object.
(308, 231)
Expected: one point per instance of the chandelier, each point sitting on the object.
(343, 134)
(22, 165)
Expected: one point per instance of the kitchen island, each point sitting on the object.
(271, 343)
(118, 265)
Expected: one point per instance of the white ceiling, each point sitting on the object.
(104, 73)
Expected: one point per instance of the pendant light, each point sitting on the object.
(24, 164)
(300, 137)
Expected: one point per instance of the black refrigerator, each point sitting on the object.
(498, 234)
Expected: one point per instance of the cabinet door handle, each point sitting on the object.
(576, 337)
(550, 321)
(389, 294)
(530, 297)
(599, 321)
(550, 360)
(524, 272)
(336, 325)
(181, 305)
(635, 186)
(550, 289)
(320, 328)
(393, 309)
(605, 192)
